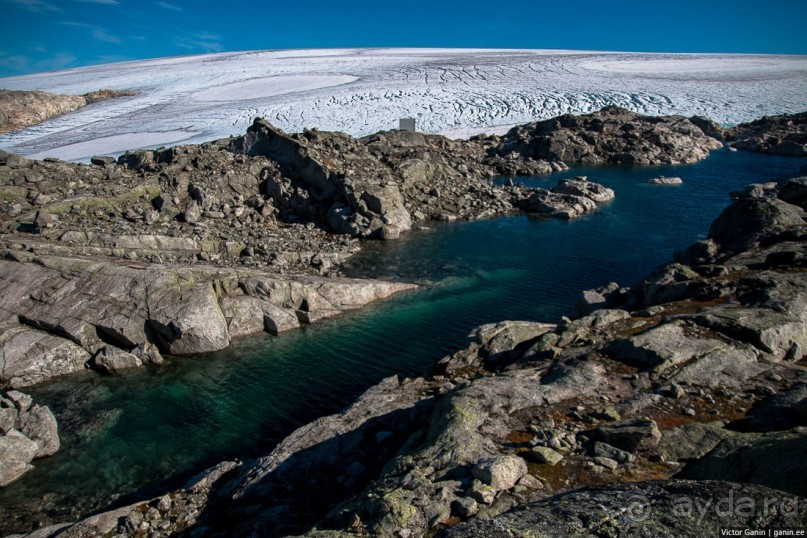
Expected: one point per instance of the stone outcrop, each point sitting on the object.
(59, 314)
(570, 199)
(662, 180)
(773, 459)
(21, 109)
(779, 135)
(358, 197)
(27, 431)
(612, 135)
(754, 220)
(668, 508)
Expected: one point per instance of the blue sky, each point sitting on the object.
(44, 35)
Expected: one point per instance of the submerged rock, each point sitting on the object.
(16, 453)
(27, 432)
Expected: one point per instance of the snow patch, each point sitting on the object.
(258, 88)
(114, 145)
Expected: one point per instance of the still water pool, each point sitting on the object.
(140, 432)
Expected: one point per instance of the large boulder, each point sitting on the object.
(247, 315)
(629, 435)
(110, 359)
(751, 220)
(570, 199)
(563, 206)
(30, 356)
(193, 324)
(672, 347)
(27, 431)
(582, 187)
(500, 472)
(690, 441)
(40, 426)
(794, 191)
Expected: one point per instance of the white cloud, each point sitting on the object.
(14, 63)
(96, 32)
(59, 61)
(102, 35)
(166, 5)
(35, 6)
(203, 41)
(25, 64)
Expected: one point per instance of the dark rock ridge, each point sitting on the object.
(613, 135)
(27, 431)
(21, 109)
(780, 135)
(695, 374)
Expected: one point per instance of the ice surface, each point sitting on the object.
(114, 144)
(361, 91)
(257, 88)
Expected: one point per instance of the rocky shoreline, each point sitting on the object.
(179, 250)
(684, 388)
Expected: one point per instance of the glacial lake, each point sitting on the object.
(142, 432)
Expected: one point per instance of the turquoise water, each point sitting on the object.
(140, 432)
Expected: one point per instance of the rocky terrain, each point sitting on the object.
(179, 250)
(780, 135)
(21, 109)
(697, 373)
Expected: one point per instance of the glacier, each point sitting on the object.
(455, 92)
